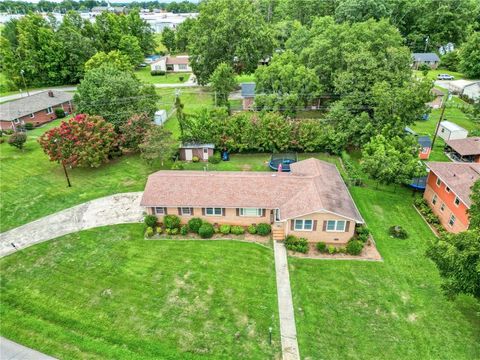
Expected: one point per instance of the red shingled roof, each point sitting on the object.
(311, 186)
(467, 146)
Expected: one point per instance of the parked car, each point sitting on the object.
(445, 77)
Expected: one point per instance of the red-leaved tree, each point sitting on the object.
(83, 141)
(134, 130)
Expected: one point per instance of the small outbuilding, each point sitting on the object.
(451, 131)
(190, 150)
(425, 147)
(160, 117)
(464, 150)
(248, 95)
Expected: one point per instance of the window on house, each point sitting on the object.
(452, 220)
(213, 211)
(336, 225)
(457, 200)
(185, 211)
(439, 182)
(447, 189)
(32, 115)
(303, 225)
(49, 110)
(255, 212)
(182, 67)
(17, 121)
(442, 207)
(159, 211)
(434, 199)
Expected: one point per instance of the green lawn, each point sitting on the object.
(389, 310)
(170, 78)
(107, 293)
(432, 74)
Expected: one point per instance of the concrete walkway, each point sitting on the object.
(10, 350)
(109, 210)
(288, 331)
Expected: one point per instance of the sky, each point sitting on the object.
(112, 1)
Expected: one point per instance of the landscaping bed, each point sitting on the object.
(369, 252)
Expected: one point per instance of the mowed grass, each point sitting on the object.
(432, 74)
(31, 186)
(107, 293)
(144, 75)
(382, 310)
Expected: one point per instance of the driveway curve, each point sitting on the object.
(110, 210)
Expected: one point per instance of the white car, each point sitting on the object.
(445, 77)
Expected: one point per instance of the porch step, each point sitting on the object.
(278, 234)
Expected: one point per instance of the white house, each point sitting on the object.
(178, 63)
(472, 91)
(451, 131)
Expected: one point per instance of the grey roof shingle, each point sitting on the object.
(248, 89)
(25, 106)
(425, 57)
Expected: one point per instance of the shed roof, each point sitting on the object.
(425, 57)
(459, 177)
(196, 146)
(25, 106)
(467, 146)
(248, 89)
(312, 186)
(451, 126)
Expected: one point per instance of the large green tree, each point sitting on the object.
(457, 257)
(114, 59)
(168, 39)
(474, 211)
(115, 95)
(230, 31)
(158, 145)
(222, 83)
(470, 56)
(129, 46)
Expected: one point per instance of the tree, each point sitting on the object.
(457, 257)
(391, 161)
(83, 141)
(183, 34)
(114, 59)
(230, 31)
(115, 95)
(474, 211)
(180, 114)
(17, 139)
(159, 145)
(450, 61)
(168, 39)
(470, 56)
(222, 83)
(362, 10)
(130, 47)
(134, 130)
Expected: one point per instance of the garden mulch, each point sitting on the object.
(369, 253)
(263, 240)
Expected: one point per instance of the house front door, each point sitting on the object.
(205, 154)
(188, 154)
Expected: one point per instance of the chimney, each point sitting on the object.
(50, 93)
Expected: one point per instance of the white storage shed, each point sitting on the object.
(451, 131)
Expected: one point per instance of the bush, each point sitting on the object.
(419, 202)
(296, 244)
(184, 230)
(8, 132)
(180, 78)
(354, 247)
(17, 140)
(174, 231)
(29, 126)
(363, 233)
(159, 229)
(2, 140)
(215, 158)
(177, 166)
(149, 232)
(225, 229)
(195, 159)
(194, 224)
(252, 229)
(171, 221)
(206, 231)
(263, 229)
(150, 220)
(331, 249)
(59, 113)
(398, 232)
(237, 230)
(342, 249)
(157, 72)
(321, 246)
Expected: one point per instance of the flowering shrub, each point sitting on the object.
(83, 141)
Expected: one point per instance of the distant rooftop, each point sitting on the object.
(248, 89)
(467, 146)
(425, 57)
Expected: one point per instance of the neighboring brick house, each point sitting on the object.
(464, 150)
(448, 192)
(311, 201)
(180, 63)
(430, 59)
(36, 109)
(248, 95)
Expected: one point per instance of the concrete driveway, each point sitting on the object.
(109, 210)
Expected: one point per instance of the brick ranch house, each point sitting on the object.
(311, 201)
(448, 192)
(36, 109)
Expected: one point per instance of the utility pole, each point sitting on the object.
(24, 83)
(426, 43)
(440, 119)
